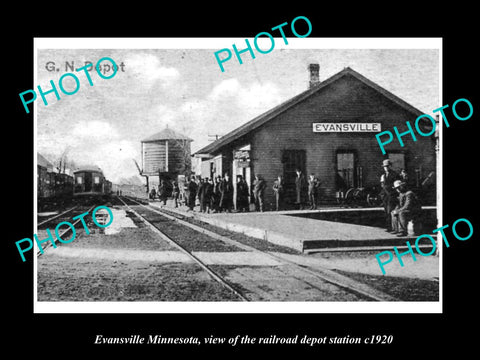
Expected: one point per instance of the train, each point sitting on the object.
(90, 180)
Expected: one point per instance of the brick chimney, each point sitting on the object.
(314, 74)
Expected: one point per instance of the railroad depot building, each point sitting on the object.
(328, 130)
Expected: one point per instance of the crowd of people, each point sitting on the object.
(306, 190)
(213, 194)
(166, 189)
(216, 194)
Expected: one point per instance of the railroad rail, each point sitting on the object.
(167, 238)
(46, 221)
(321, 273)
(49, 244)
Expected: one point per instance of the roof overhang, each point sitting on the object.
(274, 112)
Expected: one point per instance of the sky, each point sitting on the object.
(182, 87)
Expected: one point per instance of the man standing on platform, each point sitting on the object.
(205, 195)
(200, 193)
(313, 187)
(258, 191)
(163, 191)
(226, 194)
(192, 192)
(216, 196)
(175, 192)
(242, 194)
(388, 193)
(278, 190)
(300, 188)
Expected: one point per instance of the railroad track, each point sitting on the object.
(167, 238)
(48, 244)
(295, 270)
(46, 221)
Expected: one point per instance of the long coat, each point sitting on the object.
(192, 193)
(163, 191)
(300, 188)
(388, 193)
(200, 187)
(207, 191)
(242, 194)
(226, 194)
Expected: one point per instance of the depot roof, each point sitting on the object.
(272, 113)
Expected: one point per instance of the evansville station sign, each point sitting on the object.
(347, 127)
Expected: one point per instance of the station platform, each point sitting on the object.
(297, 229)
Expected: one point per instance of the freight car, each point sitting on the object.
(90, 181)
(51, 184)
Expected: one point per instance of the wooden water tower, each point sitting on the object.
(166, 155)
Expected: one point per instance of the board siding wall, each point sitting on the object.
(155, 156)
(346, 100)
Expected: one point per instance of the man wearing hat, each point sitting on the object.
(258, 192)
(409, 208)
(388, 193)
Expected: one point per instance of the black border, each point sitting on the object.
(61, 334)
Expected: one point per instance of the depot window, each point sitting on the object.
(96, 180)
(79, 179)
(346, 168)
(398, 160)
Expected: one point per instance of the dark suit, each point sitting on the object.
(216, 195)
(408, 208)
(205, 196)
(389, 196)
(175, 192)
(163, 192)
(226, 195)
(258, 190)
(192, 193)
(242, 195)
(300, 188)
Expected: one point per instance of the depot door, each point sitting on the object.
(345, 170)
(88, 181)
(292, 160)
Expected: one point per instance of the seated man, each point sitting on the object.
(409, 208)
